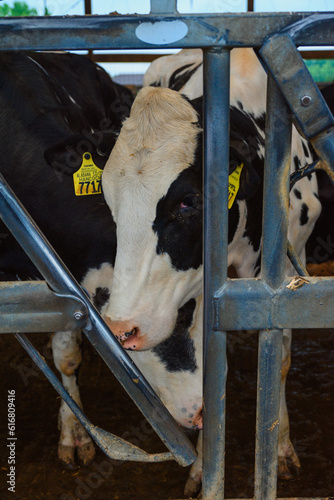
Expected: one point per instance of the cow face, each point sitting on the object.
(153, 188)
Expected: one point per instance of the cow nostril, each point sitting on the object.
(129, 334)
(198, 420)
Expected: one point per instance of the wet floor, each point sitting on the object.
(40, 476)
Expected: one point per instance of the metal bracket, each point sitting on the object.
(313, 117)
(30, 306)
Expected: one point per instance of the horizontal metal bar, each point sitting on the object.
(119, 32)
(30, 306)
(251, 304)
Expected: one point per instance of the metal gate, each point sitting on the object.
(272, 304)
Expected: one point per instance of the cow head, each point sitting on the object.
(153, 187)
(152, 183)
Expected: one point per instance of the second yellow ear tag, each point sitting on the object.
(87, 180)
(234, 184)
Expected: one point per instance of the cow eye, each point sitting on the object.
(187, 202)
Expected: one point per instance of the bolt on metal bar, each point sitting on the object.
(51, 267)
(274, 251)
(30, 306)
(304, 98)
(216, 161)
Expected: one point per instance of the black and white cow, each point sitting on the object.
(45, 99)
(320, 245)
(153, 185)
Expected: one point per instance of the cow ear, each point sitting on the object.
(241, 153)
(66, 156)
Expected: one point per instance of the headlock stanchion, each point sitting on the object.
(269, 304)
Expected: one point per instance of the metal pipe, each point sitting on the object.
(274, 250)
(276, 187)
(216, 161)
(119, 32)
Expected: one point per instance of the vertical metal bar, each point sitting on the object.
(216, 159)
(275, 223)
(276, 187)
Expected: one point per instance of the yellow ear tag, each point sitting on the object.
(234, 184)
(87, 180)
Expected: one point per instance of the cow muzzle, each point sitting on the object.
(126, 333)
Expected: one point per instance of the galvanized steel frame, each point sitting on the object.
(264, 304)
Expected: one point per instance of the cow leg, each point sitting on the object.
(288, 460)
(74, 439)
(194, 481)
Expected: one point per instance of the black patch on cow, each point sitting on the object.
(101, 297)
(297, 163)
(35, 91)
(178, 80)
(240, 105)
(260, 121)
(297, 194)
(245, 143)
(178, 222)
(177, 352)
(306, 151)
(304, 215)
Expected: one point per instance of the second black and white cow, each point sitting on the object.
(153, 185)
(46, 99)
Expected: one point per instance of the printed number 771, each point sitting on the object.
(95, 189)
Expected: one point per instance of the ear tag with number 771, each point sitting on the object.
(87, 180)
(234, 184)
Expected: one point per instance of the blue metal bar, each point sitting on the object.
(119, 32)
(216, 155)
(49, 264)
(296, 304)
(267, 413)
(30, 306)
(274, 250)
(163, 7)
(276, 187)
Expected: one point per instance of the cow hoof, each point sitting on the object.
(288, 467)
(66, 456)
(86, 453)
(80, 453)
(192, 488)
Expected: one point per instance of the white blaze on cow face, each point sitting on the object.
(156, 144)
